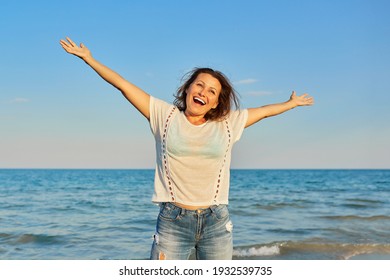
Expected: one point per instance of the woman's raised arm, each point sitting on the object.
(257, 114)
(132, 93)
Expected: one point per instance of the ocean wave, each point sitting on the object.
(382, 182)
(266, 250)
(362, 203)
(366, 201)
(356, 217)
(275, 206)
(314, 250)
(356, 206)
(5, 236)
(41, 239)
(38, 238)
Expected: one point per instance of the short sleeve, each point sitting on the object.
(237, 120)
(158, 111)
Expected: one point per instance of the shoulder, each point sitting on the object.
(236, 121)
(159, 108)
(156, 102)
(159, 112)
(237, 115)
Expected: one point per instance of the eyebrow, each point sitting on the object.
(206, 84)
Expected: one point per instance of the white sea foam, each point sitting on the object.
(261, 251)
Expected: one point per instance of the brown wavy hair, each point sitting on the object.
(228, 96)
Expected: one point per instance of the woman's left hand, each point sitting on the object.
(301, 100)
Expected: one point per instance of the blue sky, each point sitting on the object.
(55, 112)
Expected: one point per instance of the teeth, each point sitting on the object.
(200, 100)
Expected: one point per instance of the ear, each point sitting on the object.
(215, 105)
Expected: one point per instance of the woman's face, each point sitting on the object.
(202, 95)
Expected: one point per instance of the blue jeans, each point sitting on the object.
(181, 232)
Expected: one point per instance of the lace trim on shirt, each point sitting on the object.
(218, 184)
(164, 153)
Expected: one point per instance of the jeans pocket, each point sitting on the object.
(169, 212)
(220, 212)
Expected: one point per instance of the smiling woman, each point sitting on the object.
(194, 139)
(206, 85)
(202, 98)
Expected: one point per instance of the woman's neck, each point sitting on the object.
(195, 120)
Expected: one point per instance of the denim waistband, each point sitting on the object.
(208, 210)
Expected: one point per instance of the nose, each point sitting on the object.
(202, 93)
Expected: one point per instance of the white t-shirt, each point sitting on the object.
(192, 161)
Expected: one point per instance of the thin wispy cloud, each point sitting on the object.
(258, 93)
(19, 100)
(245, 81)
(149, 74)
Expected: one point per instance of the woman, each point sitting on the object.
(194, 139)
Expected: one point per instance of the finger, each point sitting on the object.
(66, 46)
(71, 42)
(63, 43)
(304, 95)
(310, 101)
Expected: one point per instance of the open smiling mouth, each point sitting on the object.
(199, 101)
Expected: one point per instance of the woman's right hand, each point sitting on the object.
(70, 47)
(132, 93)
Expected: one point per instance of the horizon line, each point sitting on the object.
(141, 168)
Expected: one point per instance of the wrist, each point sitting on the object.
(291, 104)
(87, 59)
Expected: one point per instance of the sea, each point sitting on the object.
(52, 214)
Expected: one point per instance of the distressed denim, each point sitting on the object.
(205, 233)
